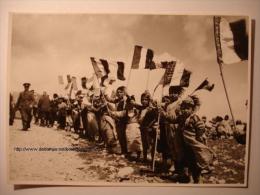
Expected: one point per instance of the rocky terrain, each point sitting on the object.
(50, 155)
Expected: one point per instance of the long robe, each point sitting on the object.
(133, 132)
(193, 130)
(174, 135)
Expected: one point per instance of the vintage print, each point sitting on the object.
(109, 99)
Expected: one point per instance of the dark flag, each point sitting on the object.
(175, 74)
(68, 82)
(169, 70)
(181, 76)
(205, 85)
(231, 40)
(74, 83)
(106, 70)
(84, 82)
(185, 79)
(143, 58)
(167, 76)
(120, 71)
(68, 78)
(98, 69)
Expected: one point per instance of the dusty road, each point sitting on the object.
(47, 154)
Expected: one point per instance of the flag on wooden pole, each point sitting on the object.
(84, 82)
(205, 85)
(180, 76)
(74, 83)
(143, 58)
(98, 68)
(120, 71)
(169, 70)
(175, 75)
(231, 40)
(68, 82)
(107, 70)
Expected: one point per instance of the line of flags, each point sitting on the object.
(231, 46)
(72, 82)
(231, 42)
(175, 72)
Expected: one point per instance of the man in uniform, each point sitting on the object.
(25, 104)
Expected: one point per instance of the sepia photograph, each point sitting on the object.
(129, 99)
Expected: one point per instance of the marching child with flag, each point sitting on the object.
(148, 119)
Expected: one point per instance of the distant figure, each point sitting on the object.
(54, 110)
(44, 106)
(35, 108)
(240, 132)
(227, 124)
(62, 112)
(213, 129)
(220, 127)
(25, 104)
(11, 110)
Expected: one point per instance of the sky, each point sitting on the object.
(44, 46)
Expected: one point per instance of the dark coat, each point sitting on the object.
(44, 103)
(25, 100)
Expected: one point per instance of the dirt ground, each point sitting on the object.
(48, 154)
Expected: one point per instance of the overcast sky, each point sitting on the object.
(45, 46)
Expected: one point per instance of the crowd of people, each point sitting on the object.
(171, 128)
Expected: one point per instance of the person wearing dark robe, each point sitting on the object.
(171, 137)
(11, 110)
(44, 106)
(62, 113)
(53, 110)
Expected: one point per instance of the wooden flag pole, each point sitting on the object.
(70, 92)
(193, 92)
(226, 93)
(93, 87)
(148, 79)
(114, 133)
(216, 21)
(197, 88)
(156, 135)
(128, 79)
